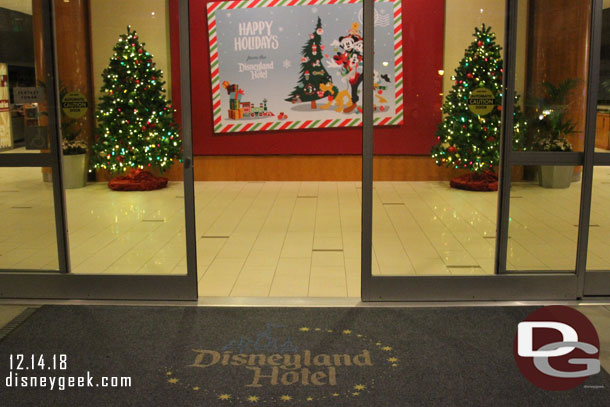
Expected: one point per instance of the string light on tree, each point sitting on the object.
(469, 135)
(136, 127)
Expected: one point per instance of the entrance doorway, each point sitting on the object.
(288, 206)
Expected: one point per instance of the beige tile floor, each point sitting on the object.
(9, 312)
(296, 238)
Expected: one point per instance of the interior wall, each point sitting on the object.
(462, 16)
(422, 40)
(558, 50)
(110, 18)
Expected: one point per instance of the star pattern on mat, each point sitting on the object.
(362, 387)
(347, 332)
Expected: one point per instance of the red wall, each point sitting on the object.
(423, 32)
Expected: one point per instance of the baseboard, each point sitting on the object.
(314, 168)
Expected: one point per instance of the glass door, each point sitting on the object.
(30, 193)
(496, 208)
(597, 277)
(103, 95)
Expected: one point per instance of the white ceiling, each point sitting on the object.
(23, 6)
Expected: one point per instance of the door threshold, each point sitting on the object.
(302, 302)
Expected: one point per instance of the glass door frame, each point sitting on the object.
(597, 282)
(513, 285)
(503, 285)
(53, 284)
(50, 159)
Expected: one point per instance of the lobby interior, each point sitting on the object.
(289, 225)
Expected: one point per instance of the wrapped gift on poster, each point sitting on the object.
(234, 92)
(236, 95)
(234, 104)
(236, 113)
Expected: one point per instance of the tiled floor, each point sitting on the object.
(296, 238)
(10, 312)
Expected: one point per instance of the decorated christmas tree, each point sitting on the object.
(312, 72)
(135, 123)
(469, 135)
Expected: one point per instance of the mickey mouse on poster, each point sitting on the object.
(346, 43)
(350, 60)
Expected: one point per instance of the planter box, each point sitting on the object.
(75, 172)
(555, 176)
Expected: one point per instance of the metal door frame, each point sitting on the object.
(519, 285)
(61, 284)
(522, 285)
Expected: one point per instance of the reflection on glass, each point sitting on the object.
(602, 137)
(421, 225)
(598, 254)
(598, 257)
(27, 236)
(555, 68)
(544, 207)
(23, 117)
(115, 107)
(543, 223)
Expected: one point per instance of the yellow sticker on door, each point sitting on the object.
(481, 101)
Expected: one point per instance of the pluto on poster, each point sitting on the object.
(290, 64)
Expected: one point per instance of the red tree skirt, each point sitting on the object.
(487, 181)
(137, 180)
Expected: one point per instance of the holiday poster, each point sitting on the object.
(290, 64)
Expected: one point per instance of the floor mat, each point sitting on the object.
(209, 356)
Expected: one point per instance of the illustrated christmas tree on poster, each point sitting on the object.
(136, 127)
(315, 82)
(300, 66)
(312, 74)
(469, 135)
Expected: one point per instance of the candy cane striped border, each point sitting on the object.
(299, 124)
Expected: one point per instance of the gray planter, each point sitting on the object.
(555, 176)
(75, 174)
